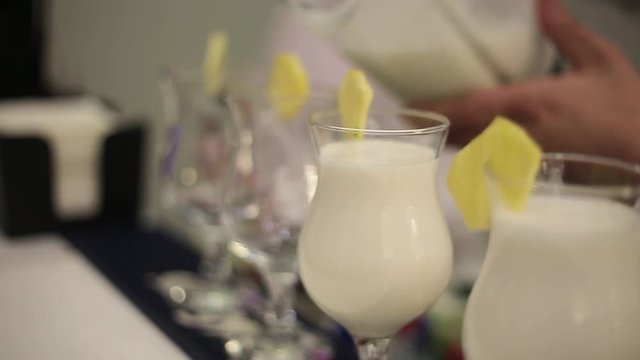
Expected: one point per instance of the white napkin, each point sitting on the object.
(75, 129)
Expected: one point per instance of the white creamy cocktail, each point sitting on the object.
(561, 279)
(375, 251)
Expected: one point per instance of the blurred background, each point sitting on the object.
(116, 50)
(112, 54)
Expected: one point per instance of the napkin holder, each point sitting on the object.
(26, 181)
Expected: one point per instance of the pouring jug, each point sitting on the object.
(429, 49)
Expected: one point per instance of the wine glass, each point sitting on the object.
(201, 149)
(375, 251)
(273, 180)
(561, 279)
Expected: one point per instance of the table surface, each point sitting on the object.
(55, 305)
(85, 294)
(126, 254)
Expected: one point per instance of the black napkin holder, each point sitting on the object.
(26, 181)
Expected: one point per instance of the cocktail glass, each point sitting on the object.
(375, 251)
(561, 279)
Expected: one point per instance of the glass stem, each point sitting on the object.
(372, 349)
(280, 317)
(215, 264)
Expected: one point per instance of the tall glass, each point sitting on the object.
(273, 179)
(375, 251)
(561, 279)
(200, 146)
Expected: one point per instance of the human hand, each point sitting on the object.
(593, 108)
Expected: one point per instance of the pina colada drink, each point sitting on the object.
(375, 250)
(561, 281)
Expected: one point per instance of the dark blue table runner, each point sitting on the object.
(126, 253)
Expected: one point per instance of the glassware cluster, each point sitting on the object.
(354, 214)
(236, 181)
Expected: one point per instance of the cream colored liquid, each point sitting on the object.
(375, 250)
(561, 281)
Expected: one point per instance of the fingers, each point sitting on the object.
(472, 113)
(583, 48)
(471, 109)
(461, 137)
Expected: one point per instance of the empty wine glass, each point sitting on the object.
(202, 147)
(273, 180)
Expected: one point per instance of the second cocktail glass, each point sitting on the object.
(375, 251)
(561, 277)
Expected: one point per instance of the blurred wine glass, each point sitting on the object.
(272, 182)
(200, 144)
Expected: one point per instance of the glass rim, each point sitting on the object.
(594, 160)
(260, 93)
(442, 121)
(579, 158)
(619, 190)
(261, 96)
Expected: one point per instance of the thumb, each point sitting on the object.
(583, 48)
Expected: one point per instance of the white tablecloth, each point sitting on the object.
(55, 305)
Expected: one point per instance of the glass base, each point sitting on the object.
(238, 332)
(191, 292)
(372, 349)
(304, 345)
(212, 309)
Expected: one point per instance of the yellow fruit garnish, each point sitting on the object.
(511, 156)
(354, 100)
(215, 62)
(289, 86)
(467, 184)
